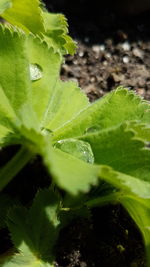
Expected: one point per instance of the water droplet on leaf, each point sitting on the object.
(77, 148)
(46, 131)
(93, 129)
(35, 72)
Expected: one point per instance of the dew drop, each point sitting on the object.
(46, 131)
(93, 129)
(77, 148)
(35, 72)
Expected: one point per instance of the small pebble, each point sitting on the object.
(96, 48)
(75, 62)
(140, 91)
(108, 55)
(81, 54)
(102, 47)
(126, 46)
(109, 42)
(74, 80)
(125, 59)
(66, 67)
(105, 63)
(92, 79)
(137, 52)
(83, 264)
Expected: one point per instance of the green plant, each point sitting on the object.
(103, 146)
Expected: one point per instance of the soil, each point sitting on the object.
(108, 239)
(113, 50)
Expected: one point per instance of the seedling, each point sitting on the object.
(104, 145)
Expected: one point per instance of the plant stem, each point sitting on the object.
(9, 171)
(101, 201)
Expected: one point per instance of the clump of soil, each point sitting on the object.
(108, 238)
(111, 52)
(104, 66)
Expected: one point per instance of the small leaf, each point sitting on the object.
(44, 222)
(34, 232)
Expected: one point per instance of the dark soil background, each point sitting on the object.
(108, 239)
(113, 49)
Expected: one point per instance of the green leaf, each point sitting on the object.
(29, 261)
(142, 130)
(67, 171)
(70, 173)
(7, 114)
(5, 4)
(120, 149)
(15, 81)
(125, 183)
(14, 74)
(29, 16)
(6, 111)
(5, 204)
(3, 133)
(49, 63)
(44, 215)
(34, 232)
(114, 108)
(75, 175)
(25, 14)
(65, 103)
(56, 33)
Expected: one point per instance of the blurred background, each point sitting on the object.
(124, 6)
(113, 40)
